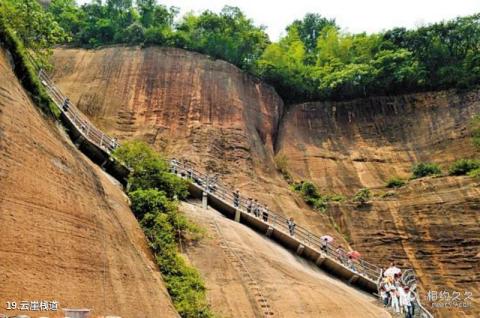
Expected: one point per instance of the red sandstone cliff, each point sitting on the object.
(189, 106)
(67, 233)
(208, 111)
(432, 224)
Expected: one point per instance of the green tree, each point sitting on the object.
(309, 29)
(35, 27)
(150, 170)
(463, 167)
(229, 35)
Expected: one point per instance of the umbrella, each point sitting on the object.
(327, 238)
(354, 254)
(392, 271)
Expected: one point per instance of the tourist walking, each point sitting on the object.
(265, 214)
(249, 205)
(291, 226)
(66, 104)
(256, 209)
(394, 296)
(236, 198)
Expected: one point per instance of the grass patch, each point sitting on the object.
(311, 195)
(281, 163)
(474, 173)
(362, 197)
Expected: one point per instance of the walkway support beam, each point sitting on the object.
(237, 215)
(204, 200)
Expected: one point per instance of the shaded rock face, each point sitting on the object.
(180, 102)
(345, 146)
(68, 234)
(210, 113)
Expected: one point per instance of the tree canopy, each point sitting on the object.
(314, 60)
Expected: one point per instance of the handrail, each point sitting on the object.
(305, 237)
(84, 126)
(409, 279)
(75, 116)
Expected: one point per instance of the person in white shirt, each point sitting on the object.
(394, 296)
(403, 299)
(411, 303)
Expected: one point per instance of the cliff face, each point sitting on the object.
(432, 224)
(209, 112)
(343, 147)
(187, 106)
(180, 102)
(68, 234)
(291, 286)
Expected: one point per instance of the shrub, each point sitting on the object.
(395, 182)
(463, 166)
(150, 170)
(362, 196)
(281, 163)
(149, 201)
(474, 173)
(425, 169)
(153, 189)
(313, 197)
(309, 190)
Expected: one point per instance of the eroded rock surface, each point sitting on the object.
(209, 112)
(67, 233)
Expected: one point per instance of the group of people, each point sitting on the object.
(346, 258)
(253, 206)
(397, 295)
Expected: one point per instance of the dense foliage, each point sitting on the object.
(36, 28)
(17, 38)
(153, 193)
(341, 65)
(424, 169)
(314, 60)
(227, 35)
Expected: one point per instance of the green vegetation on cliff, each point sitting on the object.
(425, 169)
(154, 194)
(312, 196)
(25, 33)
(315, 60)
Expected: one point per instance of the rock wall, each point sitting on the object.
(189, 106)
(211, 113)
(345, 146)
(67, 233)
(432, 224)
